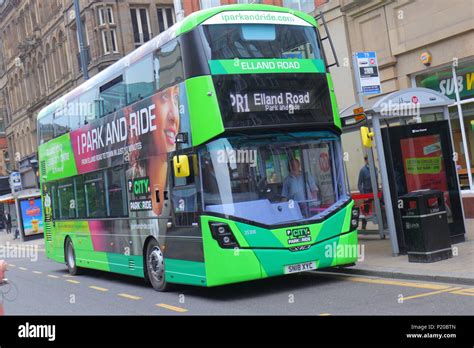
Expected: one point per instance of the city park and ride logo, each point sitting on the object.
(298, 235)
(331, 251)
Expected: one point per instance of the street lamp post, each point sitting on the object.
(82, 49)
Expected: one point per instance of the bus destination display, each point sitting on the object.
(254, 101)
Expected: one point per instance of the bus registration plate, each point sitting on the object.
(300, 267)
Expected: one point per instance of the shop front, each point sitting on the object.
(461, 113)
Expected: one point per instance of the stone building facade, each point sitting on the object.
(41, 58)
(401, 31)
(41, 52)
(308, 6)
(42, 61)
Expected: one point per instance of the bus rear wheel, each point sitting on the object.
(155, 267)
(70, 257)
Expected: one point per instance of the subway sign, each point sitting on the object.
(444, 83)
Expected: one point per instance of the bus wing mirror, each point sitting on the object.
(366, 136)
(181, 166)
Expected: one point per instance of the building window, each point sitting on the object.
(166, 18)
(109, 41)
(209, 3)
(106, 16)
(113, 39)
(141, 25)
(300, 5)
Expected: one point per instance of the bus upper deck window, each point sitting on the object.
(258, 32)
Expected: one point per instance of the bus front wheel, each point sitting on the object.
(155, 267)
(70, 257)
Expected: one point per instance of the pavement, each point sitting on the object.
(378, 261)
(7, 239)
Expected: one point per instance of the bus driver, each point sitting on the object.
(294, 186)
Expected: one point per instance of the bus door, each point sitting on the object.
(183, 235)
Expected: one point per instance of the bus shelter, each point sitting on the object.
(25, 209)
(412, 118)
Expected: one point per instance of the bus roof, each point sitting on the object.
(187, 24)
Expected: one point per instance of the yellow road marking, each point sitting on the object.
(324, 314)
(466, 292)
(72, 281)
(399, 283)
(172, 308)
(52, 276)
(23, 268)
(37, 272)
(98, 288)
(68, 276)
(429, 293)
(130, 297)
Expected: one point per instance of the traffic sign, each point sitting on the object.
(367, 72)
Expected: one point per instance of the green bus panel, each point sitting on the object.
(205, 116)
(264, 253)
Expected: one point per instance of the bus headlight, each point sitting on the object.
(222, 233)
(354, 218)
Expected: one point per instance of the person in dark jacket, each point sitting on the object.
(8, 222)
(364, 185)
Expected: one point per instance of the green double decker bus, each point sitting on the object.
(210, 155)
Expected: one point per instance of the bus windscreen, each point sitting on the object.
(229, 41)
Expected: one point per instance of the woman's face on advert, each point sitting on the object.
(167, 119)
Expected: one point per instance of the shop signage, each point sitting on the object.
(444, 83)
(15, 182)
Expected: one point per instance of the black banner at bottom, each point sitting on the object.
(292, 330)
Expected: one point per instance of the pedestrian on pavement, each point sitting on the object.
(8, 222)
(17, 234)
(365, 186)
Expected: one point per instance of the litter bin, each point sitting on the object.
(425, 226)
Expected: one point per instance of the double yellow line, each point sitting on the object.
(439, 289)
